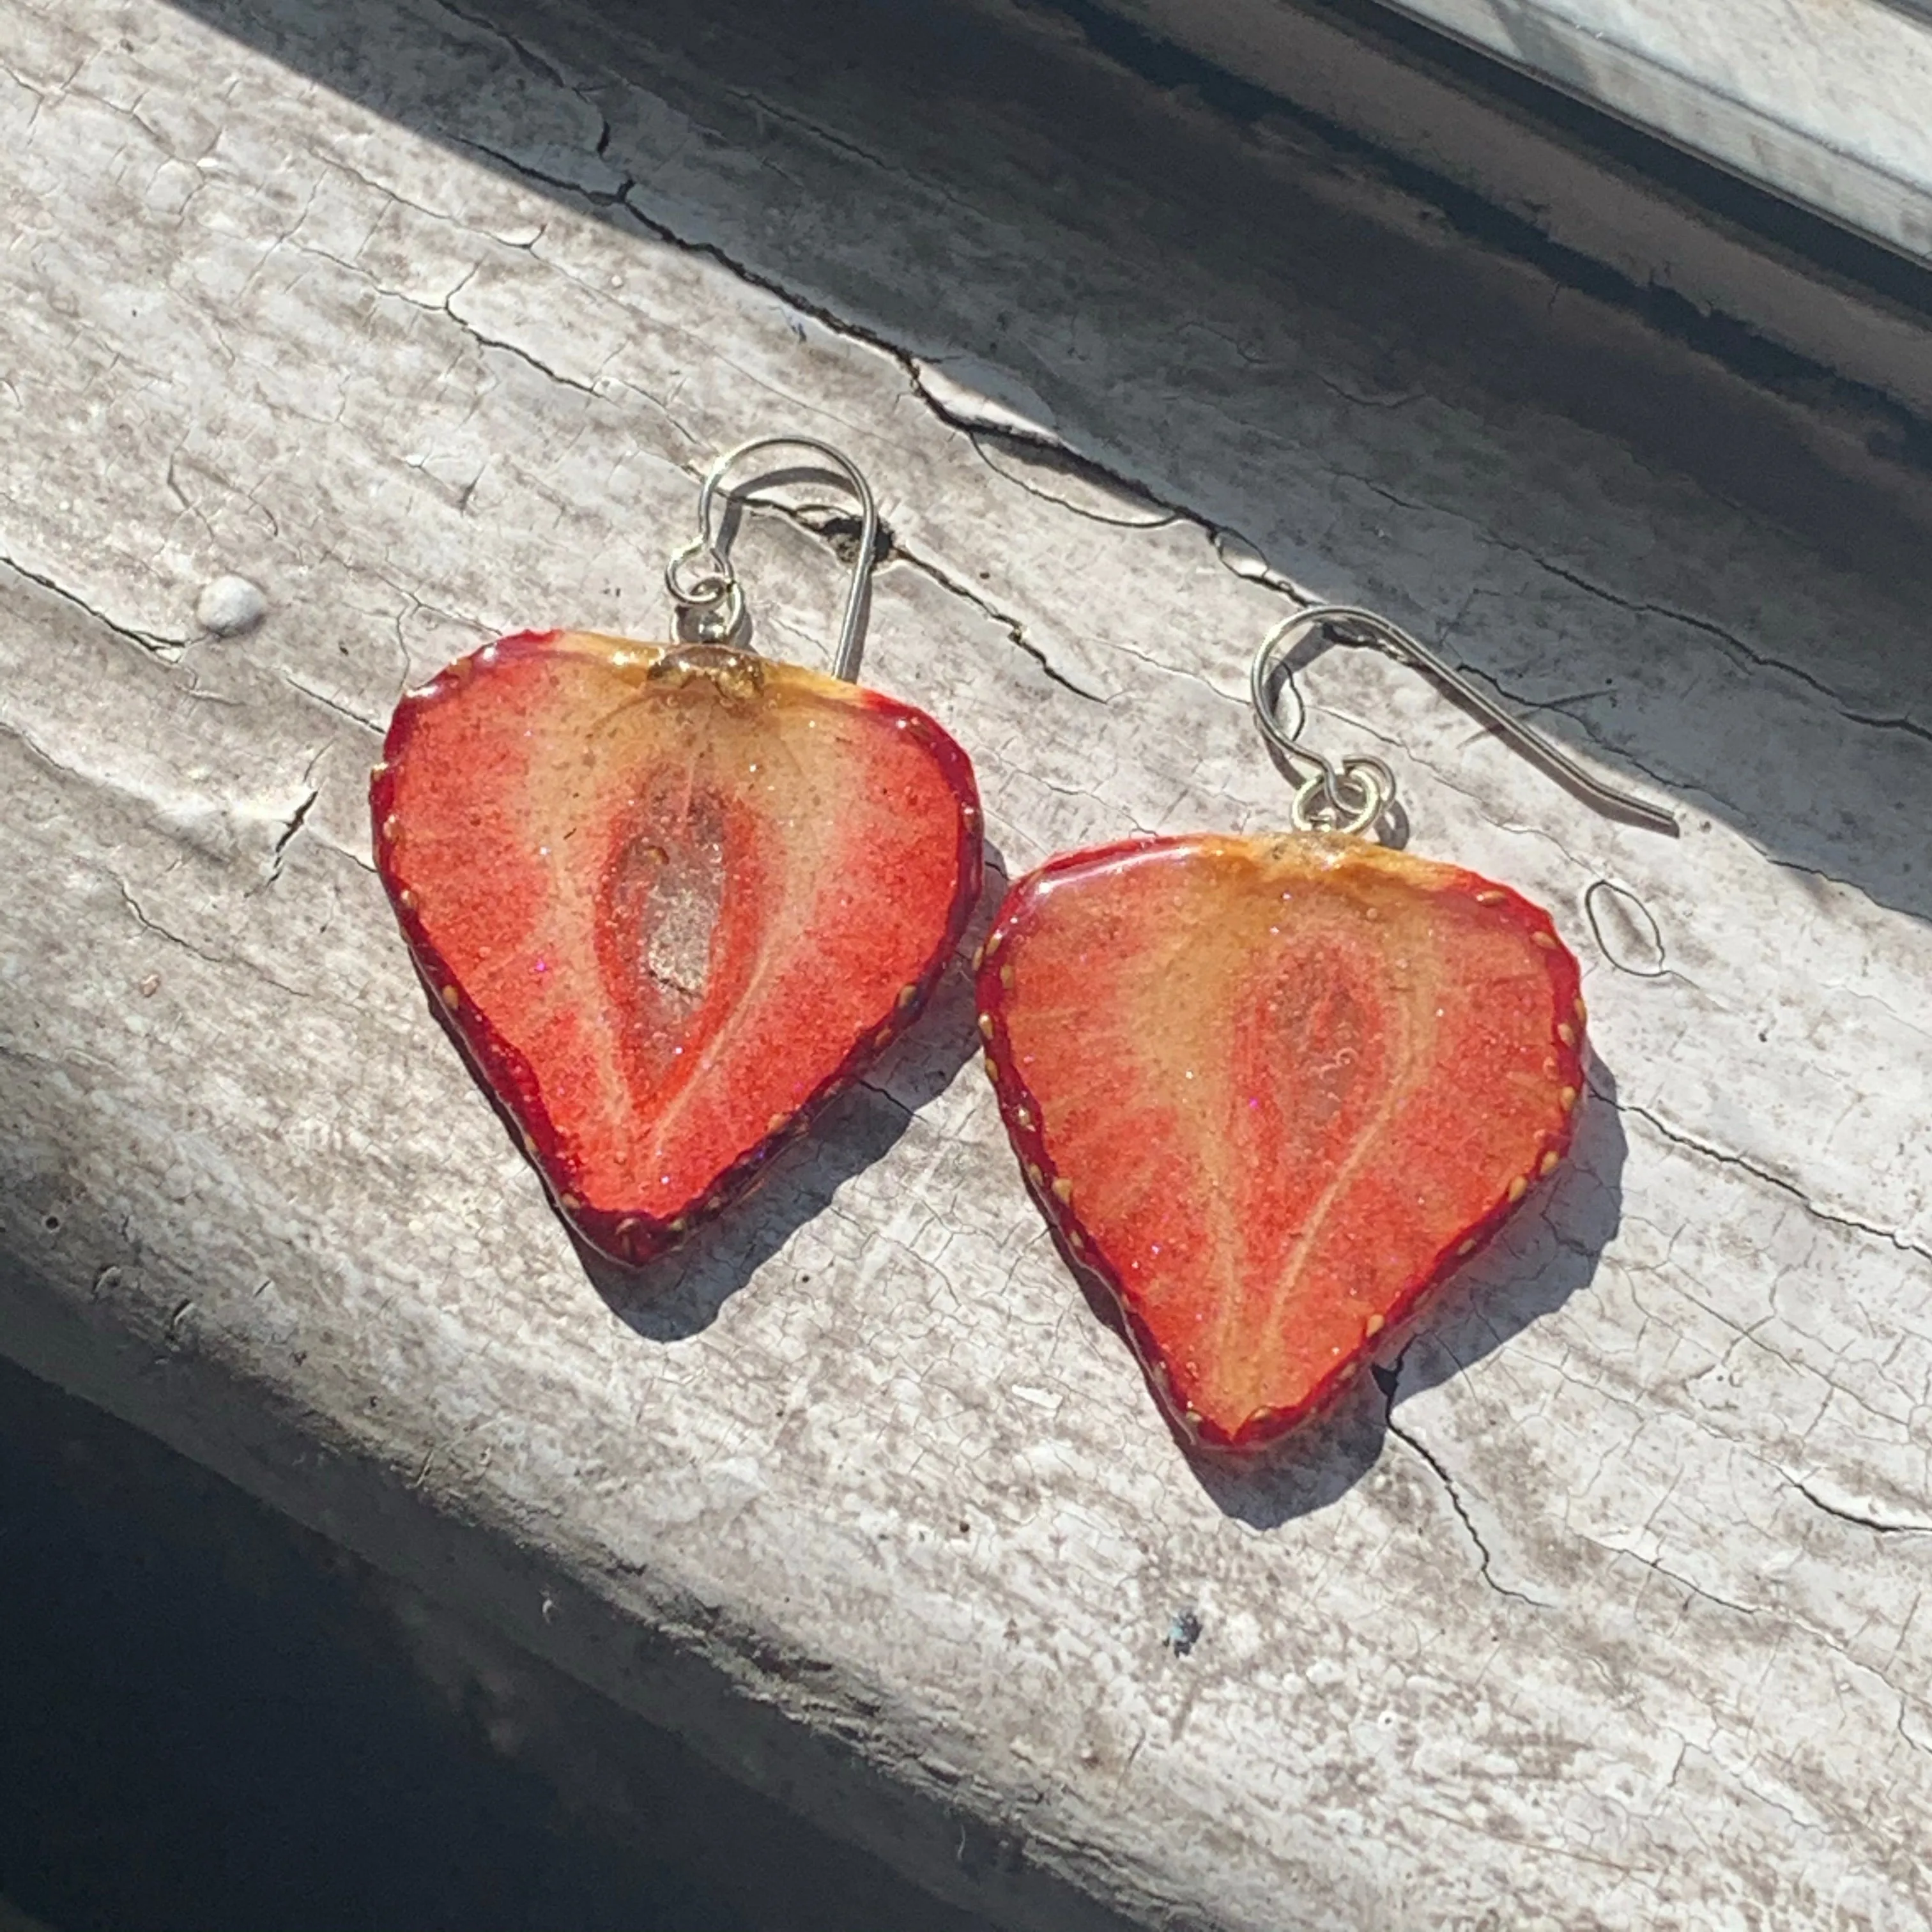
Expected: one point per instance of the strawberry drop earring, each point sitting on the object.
(1271, 1092)
(670, 898)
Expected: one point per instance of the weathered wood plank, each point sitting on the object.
(1610, 1604)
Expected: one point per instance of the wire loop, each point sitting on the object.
(704, 590)
(1354, 796)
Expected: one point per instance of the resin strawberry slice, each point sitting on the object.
(669, 899)
(1271, 1092)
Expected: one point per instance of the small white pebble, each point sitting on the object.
(229, 605)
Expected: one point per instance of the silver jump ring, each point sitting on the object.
(710, 584)
(718, 622)
(1320, 801)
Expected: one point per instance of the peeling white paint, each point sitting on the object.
(1609, 1604)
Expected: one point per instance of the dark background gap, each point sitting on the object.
(214, 1721)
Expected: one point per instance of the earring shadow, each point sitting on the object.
(1540, 1259)
(680, 1293)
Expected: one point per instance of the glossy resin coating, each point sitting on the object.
(1271, 1092)
(670, 899)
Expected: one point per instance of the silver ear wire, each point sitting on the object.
(1352, 796)
(709, 599)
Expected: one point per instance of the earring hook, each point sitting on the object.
(705, 589)
(1352, 796)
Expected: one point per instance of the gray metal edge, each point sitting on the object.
(1645, 233)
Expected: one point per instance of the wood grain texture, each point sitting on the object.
(1604, 1606)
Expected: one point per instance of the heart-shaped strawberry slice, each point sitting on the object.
(670, 899)
(1271, 1092)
